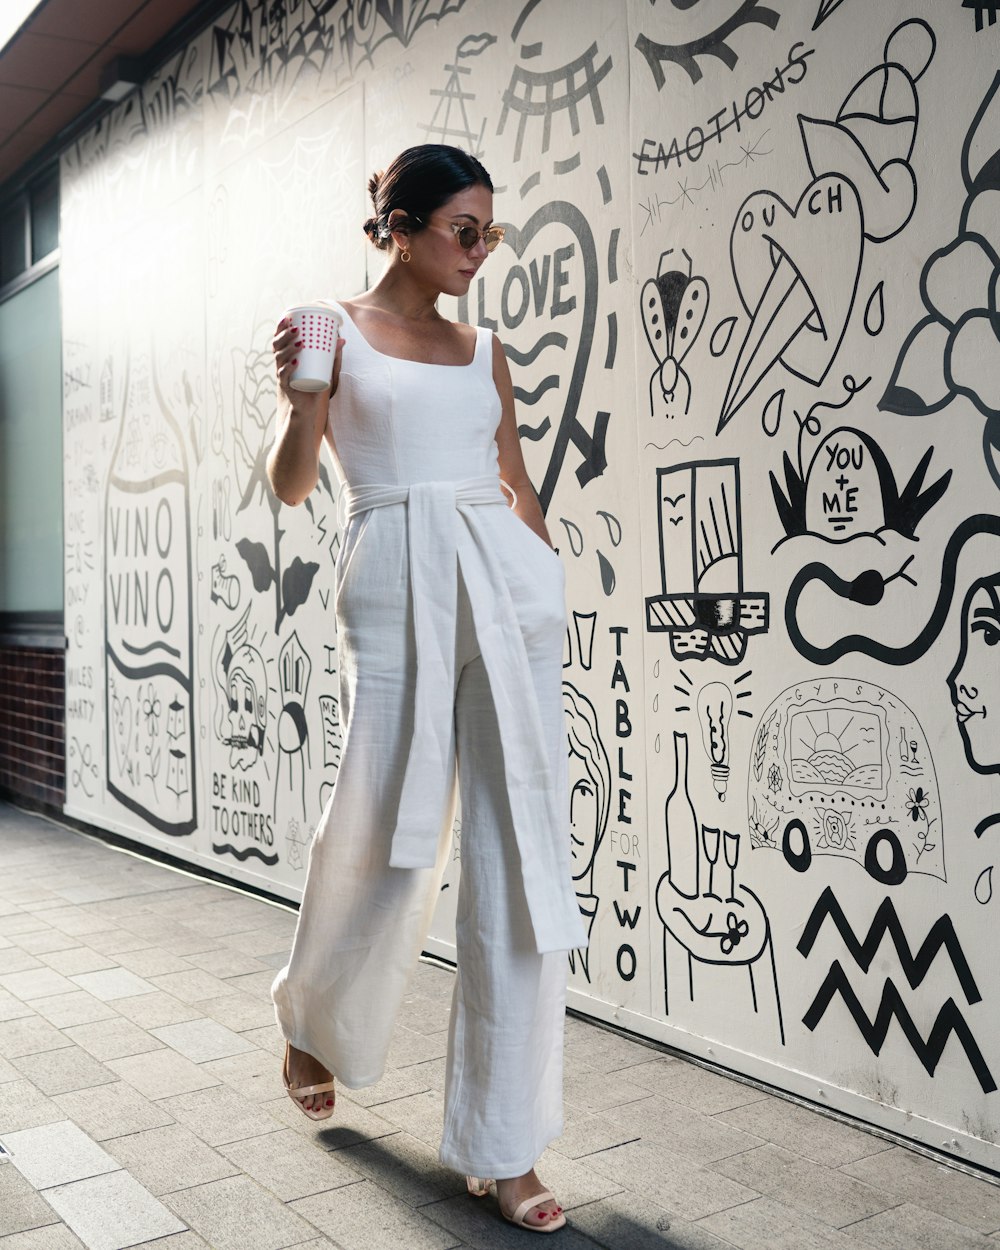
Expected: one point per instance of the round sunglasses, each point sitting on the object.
(469, 236)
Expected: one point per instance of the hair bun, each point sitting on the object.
(373, 185)
(370, 228)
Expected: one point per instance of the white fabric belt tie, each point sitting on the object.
(438, 544)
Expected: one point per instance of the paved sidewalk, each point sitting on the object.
(141, 1098)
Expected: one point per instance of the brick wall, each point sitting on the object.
(32, 766)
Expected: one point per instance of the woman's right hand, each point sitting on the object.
(286, 345)
(293, 462)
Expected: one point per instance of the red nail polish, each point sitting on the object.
(294, 363)
(299, 343)
(329, 1102)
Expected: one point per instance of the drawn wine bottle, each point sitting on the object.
(682, 826)
(149, 713)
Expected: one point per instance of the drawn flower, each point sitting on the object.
(835, 833)
(774, 778)
(151, 710)
(917, 801)
(736, 931)
(955, 349)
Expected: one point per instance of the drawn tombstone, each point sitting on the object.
(826, 777)
(843, 489)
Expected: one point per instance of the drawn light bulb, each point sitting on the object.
(715, 707)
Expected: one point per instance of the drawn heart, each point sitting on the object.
(542, 304)
(787, 252)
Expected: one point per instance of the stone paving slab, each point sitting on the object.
(57, 1153)
(112, 1212)
(169, 1158)
(238, 1214)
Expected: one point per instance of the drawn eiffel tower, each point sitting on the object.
(450, 122)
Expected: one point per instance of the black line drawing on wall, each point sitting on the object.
(826, 9)
(985, 11)
(225, 587)
(715, 710)
(548, 93)
(241, 678)
(148, 616)
(868, 588)
(875, 310)
(707, 918)
(849, 490)
(83, 767)
(590, 805)
(294, 756)
(974, 682)
(261, 49)
(843, 768)
(252, 436)
(298, 839)
(674, 305)
(886, 923)
(798, 305)
(561, 281)
(584, 624)
(450, 123)
(702, 42)
(702, 604)
(871, 140)
(954, 350)
(983, 890)
(329, 708)
(863, 187)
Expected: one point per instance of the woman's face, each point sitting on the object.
(975, 680)
(437, 257)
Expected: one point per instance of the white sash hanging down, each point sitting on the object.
(438, 545)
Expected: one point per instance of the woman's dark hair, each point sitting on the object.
(417, 183)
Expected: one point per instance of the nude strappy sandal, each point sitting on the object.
(297, 1092)
(479, 1187)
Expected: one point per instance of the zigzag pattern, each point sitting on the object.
(949, 1020)
(886, 921)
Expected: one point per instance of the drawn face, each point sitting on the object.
(974, 682)
(438, 259)
(584, 817)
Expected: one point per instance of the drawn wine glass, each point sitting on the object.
(711, 840)
(731, 853)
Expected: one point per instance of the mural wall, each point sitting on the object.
(749, 296)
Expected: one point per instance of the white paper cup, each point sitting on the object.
(317, 326)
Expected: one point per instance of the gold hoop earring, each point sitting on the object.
(404, 256)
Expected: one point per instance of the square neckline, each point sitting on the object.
(407, 360)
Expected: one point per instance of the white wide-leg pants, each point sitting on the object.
(363, 924)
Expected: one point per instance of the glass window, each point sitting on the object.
(13, 240)
(44, 216)
(31, 504)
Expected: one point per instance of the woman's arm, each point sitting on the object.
(293, 462)
(512, 468)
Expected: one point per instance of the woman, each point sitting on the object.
(450, 625)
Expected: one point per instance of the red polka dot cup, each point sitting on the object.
(316, 326)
